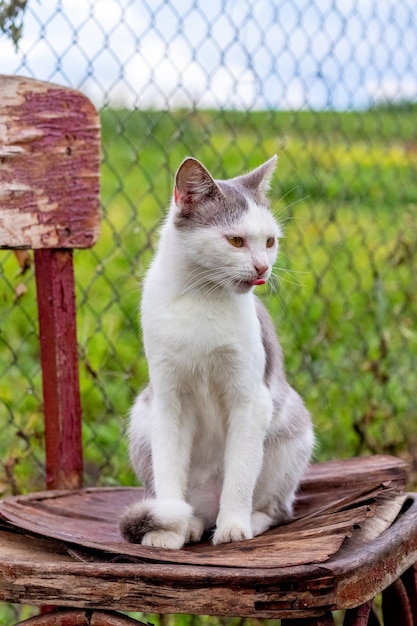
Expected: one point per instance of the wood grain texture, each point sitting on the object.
(90, 518)
(294, 592)
(49, 166)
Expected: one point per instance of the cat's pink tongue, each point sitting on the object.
(258, 281)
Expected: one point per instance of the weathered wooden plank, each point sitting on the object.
(358, 471)
(379, 563)
(90, 518)
(61, 393)
(269, 551)
(49, 166)
(122, 588)
(264, 593)
(296, 591)
(18, 548)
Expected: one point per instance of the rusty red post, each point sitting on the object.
(59, 359)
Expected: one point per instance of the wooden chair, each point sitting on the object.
(355, 530)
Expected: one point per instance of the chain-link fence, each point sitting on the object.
(332, 88)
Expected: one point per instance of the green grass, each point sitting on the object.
(345, 302)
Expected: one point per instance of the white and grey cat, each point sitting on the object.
(219, 438)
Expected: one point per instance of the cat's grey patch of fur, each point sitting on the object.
(133, 527)
(273, 352)
(221, 208)
(206, 201)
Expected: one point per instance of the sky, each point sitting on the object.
(274, 54)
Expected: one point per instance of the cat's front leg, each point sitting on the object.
(243, 462)
(171, 438)
(171, 447)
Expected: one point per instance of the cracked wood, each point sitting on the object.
(49, 166)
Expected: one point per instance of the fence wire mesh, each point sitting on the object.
(331, 87)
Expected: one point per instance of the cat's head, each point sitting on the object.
(228, 234)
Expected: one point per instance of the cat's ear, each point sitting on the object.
(258, 180)
(193, 184)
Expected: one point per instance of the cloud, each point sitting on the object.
(391, 90)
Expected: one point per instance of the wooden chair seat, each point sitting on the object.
(354, 534)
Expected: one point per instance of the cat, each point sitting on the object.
(219, 438)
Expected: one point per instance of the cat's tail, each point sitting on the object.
(159, 523)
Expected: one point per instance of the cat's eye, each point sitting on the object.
(237, 242)
(270, 242)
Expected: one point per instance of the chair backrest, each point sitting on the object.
(49, 202)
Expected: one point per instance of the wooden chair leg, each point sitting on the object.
(323, 620)
(361, 616)
(373, 618)
(396, 607)
(409, 579)
(81, 617)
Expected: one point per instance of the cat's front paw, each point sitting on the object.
(163, 539)
(232, 532)
(195, 529)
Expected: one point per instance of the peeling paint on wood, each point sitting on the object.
(49, 166)
(61, 392)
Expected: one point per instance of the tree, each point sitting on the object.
(11, 18)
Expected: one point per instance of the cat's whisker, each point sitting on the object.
(198, 278)
(283, 279)
(272, 283)
(209, 281)
(277, 212)
(281, 300)
(278, 287)
(197, 273)
(287, 193)
(290, 218)
(201, 285)
(287, 269)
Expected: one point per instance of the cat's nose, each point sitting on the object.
(261, 269)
